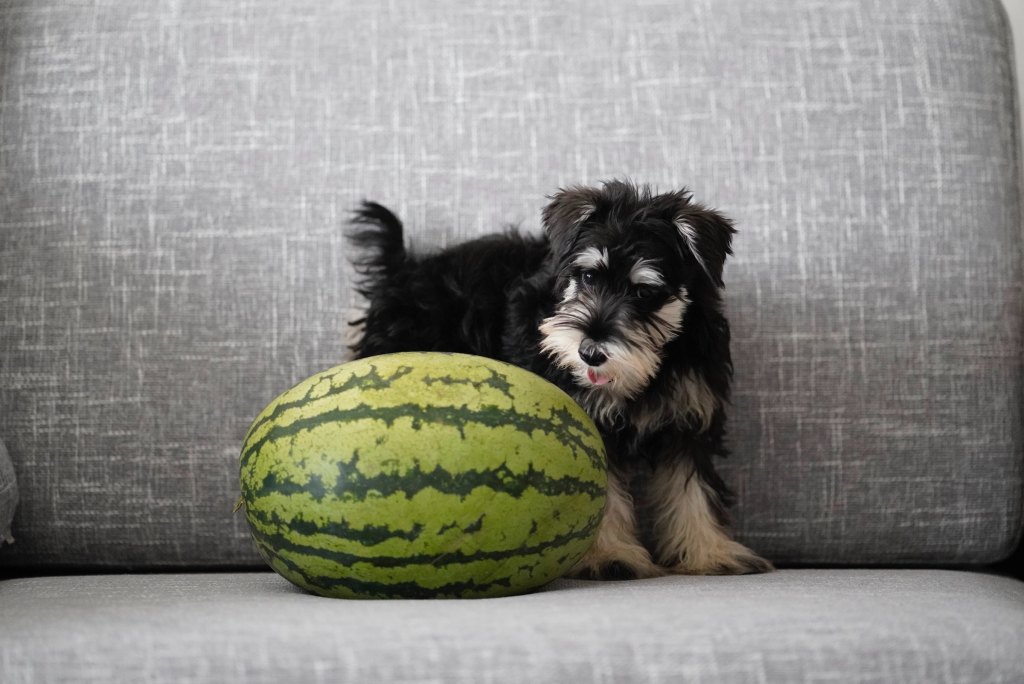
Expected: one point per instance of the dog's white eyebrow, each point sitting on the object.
(571, 290)
(592, 257)
(645, 274)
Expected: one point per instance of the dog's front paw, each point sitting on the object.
(728, 558)
(627, 562)
(612, 570)
(615, 570)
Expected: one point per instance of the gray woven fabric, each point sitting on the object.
(8, 496)
(794, 626)
(174, 178)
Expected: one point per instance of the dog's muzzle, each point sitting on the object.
(591, 353)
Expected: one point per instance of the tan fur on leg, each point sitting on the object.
(616, 541)
(690, 539)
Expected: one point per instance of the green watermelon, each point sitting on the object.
(422, 475)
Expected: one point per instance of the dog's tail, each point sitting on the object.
(381, 244)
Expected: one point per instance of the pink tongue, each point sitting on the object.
(596, 377)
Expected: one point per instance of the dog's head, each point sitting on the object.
(629, 263)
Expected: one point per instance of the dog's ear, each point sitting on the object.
(568, 209)
(706, 233)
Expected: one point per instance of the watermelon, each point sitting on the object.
(423, 475)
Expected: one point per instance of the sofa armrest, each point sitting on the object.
(8, 495)
(1014, 565)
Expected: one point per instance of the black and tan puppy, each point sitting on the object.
(617, 303)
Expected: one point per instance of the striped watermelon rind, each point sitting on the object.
(423, 475)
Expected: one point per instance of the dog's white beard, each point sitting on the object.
(634, 352)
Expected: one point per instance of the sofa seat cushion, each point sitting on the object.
(795, 625)
(175, 180)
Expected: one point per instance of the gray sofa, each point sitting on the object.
(175, 182)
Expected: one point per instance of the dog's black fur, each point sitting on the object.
(629, 281)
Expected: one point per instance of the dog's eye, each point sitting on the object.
(588, 277)
(644, 291)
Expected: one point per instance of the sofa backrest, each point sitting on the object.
(175, 179)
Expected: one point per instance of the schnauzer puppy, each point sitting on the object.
(617, 303)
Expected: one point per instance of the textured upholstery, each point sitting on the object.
(174, 178)
(795, 626)
(8, 496)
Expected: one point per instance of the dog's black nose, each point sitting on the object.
(591, 353)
